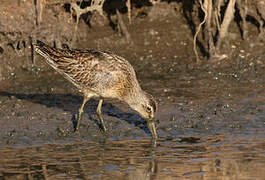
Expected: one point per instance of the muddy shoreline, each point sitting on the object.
(207, 104)
(210, 119)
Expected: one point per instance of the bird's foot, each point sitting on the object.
(76, 119)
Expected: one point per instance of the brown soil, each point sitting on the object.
(38, 106)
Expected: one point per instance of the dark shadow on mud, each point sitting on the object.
(71, 103)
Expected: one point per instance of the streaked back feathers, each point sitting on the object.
(101, 73)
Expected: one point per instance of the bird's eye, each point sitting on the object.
(148, 109)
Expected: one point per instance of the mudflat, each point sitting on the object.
(210, 119)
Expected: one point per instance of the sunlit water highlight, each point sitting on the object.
(211, 157)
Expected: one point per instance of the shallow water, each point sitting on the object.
(212, 157)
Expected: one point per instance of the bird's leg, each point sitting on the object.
(152, 128)
(81, 110)
(101, 121)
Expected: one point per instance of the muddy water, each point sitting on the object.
(210, 126)
(212, 157)
(211, 121)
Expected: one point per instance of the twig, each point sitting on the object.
(32, 52)
(41, 7)
(198, 30)
(96, 5)
(128, 4)
(123, 27)
(228, 17)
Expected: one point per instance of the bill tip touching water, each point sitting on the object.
(100, 74)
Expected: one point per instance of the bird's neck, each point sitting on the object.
(135, 98)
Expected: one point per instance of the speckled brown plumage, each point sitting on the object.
(103, 75)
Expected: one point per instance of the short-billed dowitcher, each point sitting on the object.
(103, 75)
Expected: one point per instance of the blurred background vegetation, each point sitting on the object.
(210, 26)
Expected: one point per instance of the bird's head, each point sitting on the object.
(146, 107)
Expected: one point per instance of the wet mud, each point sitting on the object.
(210, 120)
(209, 125)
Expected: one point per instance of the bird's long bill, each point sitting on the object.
(152, 128)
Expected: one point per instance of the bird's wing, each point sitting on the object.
(95, 70)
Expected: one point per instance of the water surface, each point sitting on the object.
(210, 157)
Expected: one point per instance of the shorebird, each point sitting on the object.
(102, 75)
